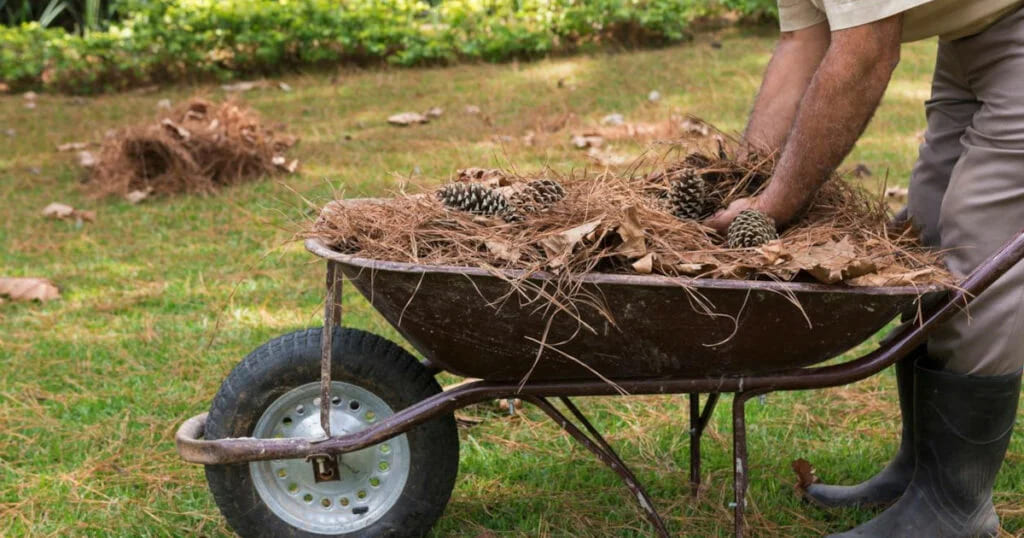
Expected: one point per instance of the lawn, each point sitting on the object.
(161, 299)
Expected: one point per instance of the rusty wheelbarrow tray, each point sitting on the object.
(652, 341)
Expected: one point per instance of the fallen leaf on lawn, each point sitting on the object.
(529, 138)
(695, 126)
(137, 196)
(163, 104)
(435, 112)
(28, 289)
(503, 250)
(587, 140)
(861, 170)
(613, 119)
(284, 86)
(407, 118)
(72, 146)
(634, 244)
(896, 195)
(11, 133)
(245, 86)
(559, 247)
(57, 210)
(654, 96)
(467, 421)
(804, 473)
(607, 158)
(491, 177)
(30, 105)
(86, 159)
(30, 96)
(472, 109)
(4, 88)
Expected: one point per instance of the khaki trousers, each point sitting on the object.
(967, 189)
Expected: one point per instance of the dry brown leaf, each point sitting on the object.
(893, 277)
(137, 196)
(467, 421)
(634, 244)
(407, 118)
(558, 247)
(434, 112)
(57, 210)
(607, 158)
(805, 474)
(644, 265)
(472, 109)
(503, 250)
(163, 104)
(613, 119)
(587, 140)
(86, 159)
(28, 289)
(491, 177)
(176, 129)
(694, 126)
(72, 146)
(896, 195)
(861, 171)
(832, 262)
(246, 85)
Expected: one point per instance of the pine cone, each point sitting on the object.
(533, 197)
(547, 191)
(751, 228)
(688, 196)
(473, 198)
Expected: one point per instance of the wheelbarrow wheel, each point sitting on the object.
(396, 488)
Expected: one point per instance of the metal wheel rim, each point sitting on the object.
(372, 479)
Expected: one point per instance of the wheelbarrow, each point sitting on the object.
(371, 448)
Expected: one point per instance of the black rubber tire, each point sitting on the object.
(360, 358)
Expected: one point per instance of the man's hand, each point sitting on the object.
(843, 94)
(721, 220)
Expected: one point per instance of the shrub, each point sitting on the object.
(201, 39)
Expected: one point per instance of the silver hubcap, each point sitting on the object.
(371, 481)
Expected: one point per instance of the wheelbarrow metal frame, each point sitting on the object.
(193, 448)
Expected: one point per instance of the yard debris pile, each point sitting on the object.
(197, 147)
(630, 223)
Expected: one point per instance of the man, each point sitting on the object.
(958, 394)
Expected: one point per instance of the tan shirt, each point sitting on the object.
(948, 19)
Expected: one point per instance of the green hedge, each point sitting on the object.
(202, 39)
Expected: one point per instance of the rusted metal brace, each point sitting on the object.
(332, 319)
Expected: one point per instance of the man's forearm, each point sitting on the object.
(835, 109)
(794, 61)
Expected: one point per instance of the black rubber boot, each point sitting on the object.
(885, 487)
(962, 427)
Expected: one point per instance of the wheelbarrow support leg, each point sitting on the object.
(739, 451)
(698, 421)
(604, 452)
(332, 318)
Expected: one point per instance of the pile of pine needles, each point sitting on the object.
(197, 147)
(622, 223)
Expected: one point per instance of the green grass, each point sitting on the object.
(160, 300)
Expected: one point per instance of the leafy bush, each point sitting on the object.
(159, 41)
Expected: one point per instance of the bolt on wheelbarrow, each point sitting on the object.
(333, 431)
